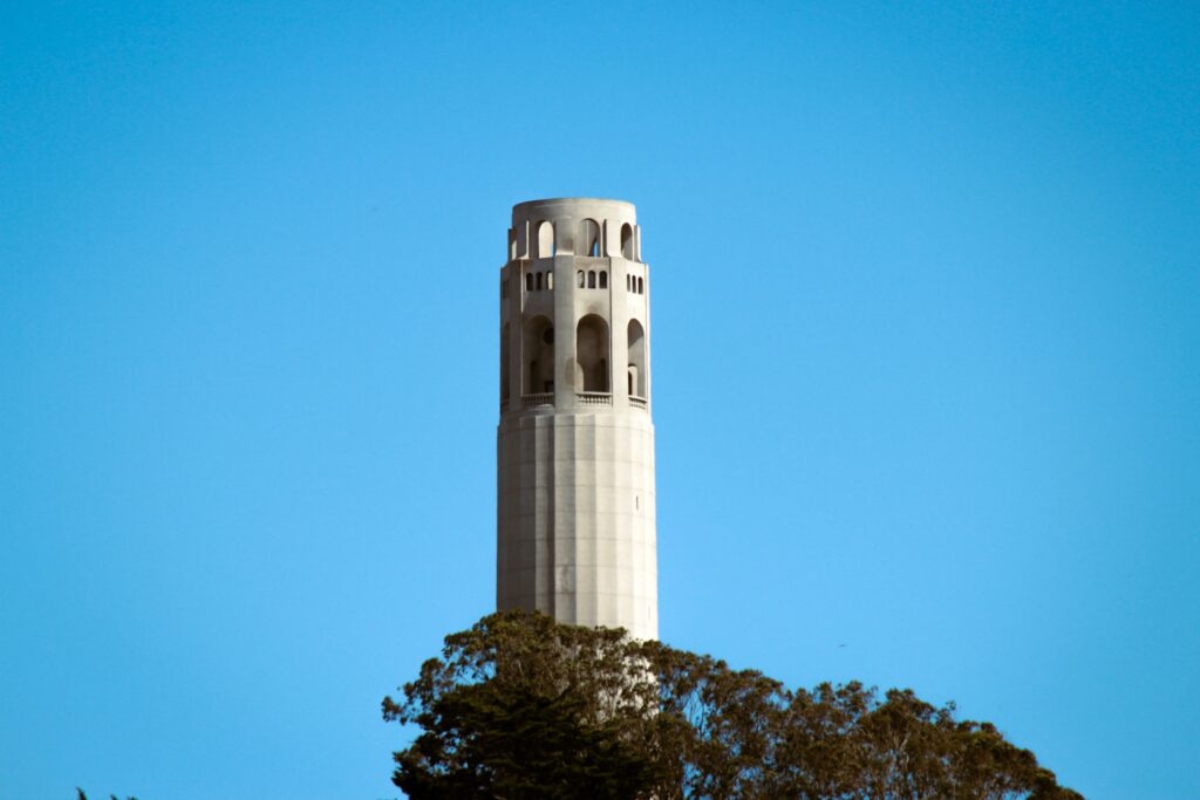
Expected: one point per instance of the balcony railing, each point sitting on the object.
(594, 398)
(539, 399)
(582, 398)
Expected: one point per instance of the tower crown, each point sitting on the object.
(574, 313)
(574, 226)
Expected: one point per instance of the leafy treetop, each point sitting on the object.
(520, 707)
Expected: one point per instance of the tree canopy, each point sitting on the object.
(520, 707)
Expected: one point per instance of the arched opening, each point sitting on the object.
(537, 356)
(529, 281)
(603, 279)
(545, 239)
(591, 354)
(579, 279)
(504, 368)
(627, 241)
(637, 359)
(550, 281)
(591, 279)
(539, 281)
(589, 243)
(641, 286)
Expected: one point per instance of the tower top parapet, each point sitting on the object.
(574, 208)
(583, 226)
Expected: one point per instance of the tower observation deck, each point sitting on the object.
(575, 507)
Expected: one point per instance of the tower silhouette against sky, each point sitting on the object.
(575, 511)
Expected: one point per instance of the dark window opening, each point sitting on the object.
(627, 241)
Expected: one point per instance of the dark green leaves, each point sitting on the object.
(520, 707)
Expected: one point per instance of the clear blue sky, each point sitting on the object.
(926, 348)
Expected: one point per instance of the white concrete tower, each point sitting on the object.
(575, 511)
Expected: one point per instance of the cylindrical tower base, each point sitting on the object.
(576, 526)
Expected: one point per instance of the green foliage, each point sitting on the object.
(521, 707)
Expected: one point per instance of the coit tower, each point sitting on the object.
(575, 510)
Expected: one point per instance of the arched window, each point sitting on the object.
(537, 356)
(591, 354)
(529, 281)
(589, 242)
(539, 281)
(504, 289)
(637, 359)
(628, 282)
(591, 279)
(579, 279)
(641, 286)
(603, 279)
(627, 241)
(550, 281)
(545, 239)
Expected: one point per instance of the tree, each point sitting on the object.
(520, 707)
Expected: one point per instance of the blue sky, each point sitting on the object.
(925, 341)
